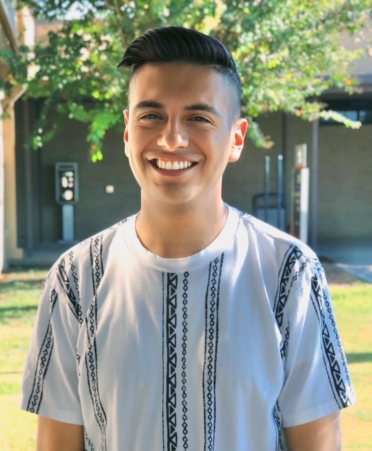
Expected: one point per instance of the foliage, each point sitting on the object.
(288, 52)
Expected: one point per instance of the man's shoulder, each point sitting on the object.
(93, 251)
(268, 236)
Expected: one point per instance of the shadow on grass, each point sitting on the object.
(20, 285)
(9, 313)
(359, 357)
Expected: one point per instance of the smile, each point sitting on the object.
(172, 166)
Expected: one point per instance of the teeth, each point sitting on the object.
(175, 166)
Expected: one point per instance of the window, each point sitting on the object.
(353, 109)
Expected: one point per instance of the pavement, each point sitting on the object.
(42, 257)
(352, 256)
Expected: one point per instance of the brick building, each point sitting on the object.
(340, 162)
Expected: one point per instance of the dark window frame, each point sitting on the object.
(358, 106)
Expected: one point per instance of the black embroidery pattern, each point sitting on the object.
(293, 255)
(335, 376)
(91, 361)
(284, 344)
(74, 275)
(43, 360)
(171, 382)
(278, 425)
(210, 353)
(184, 351)
(73, 298)
(88, 443)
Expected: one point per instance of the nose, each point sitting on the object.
(173, 136)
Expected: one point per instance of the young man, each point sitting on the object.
(189, 325)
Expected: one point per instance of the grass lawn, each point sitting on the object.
(19, 293)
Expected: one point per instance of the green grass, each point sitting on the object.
(19, 294)
(353, 310)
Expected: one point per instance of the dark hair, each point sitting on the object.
(178, 44)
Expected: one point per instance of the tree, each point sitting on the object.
(287, 51)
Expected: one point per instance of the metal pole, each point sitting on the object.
(314, 184)
(28, 179)
(280, 190)
(267, 180)
(286, 185)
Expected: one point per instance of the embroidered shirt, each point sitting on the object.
(218, 351)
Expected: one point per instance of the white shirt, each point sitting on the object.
(217, 351)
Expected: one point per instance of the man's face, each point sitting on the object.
(180, 131)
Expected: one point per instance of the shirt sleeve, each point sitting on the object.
(316, 380)
(50, 378)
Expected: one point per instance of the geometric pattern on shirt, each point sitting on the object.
(284, 343)
(285, 275)
(171, 362)
(331, 359)
(73, 273)
(278, 425)
(43, 360)
(210, 351)
(91, 361)
(88, 443)
(73, 297)
(184, 352)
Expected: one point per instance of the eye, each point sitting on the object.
(200, 119)
(150, 116)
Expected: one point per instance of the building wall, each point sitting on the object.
(344, 178)
(95, 209)
(345, 182)
(344, 174)
(245, 178)
(345, 188)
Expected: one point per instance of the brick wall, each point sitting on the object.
(345, 187)
(344, 177)
(95, 210)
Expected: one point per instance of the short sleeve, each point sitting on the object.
(317, 381)
(50, 378)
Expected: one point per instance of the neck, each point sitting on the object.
(178, 231)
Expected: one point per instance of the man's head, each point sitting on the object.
(181, 45)
(182, 124)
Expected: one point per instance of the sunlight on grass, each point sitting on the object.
(19, 294)
(353, 311)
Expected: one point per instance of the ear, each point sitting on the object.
(239, 131)
(126, 135)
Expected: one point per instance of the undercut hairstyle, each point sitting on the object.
(182, 45)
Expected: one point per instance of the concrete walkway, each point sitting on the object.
(354, 257)
(43, 257)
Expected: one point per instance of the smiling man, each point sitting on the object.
(190, 325)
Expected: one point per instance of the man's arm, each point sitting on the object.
(320, 435)
(54, 435)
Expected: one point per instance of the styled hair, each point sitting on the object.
(178, 44)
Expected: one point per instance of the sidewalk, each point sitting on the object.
(42, 257)
(354, 256)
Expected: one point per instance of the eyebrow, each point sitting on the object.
(148, 104)
(192, 107)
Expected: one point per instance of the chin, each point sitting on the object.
(174, 197)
